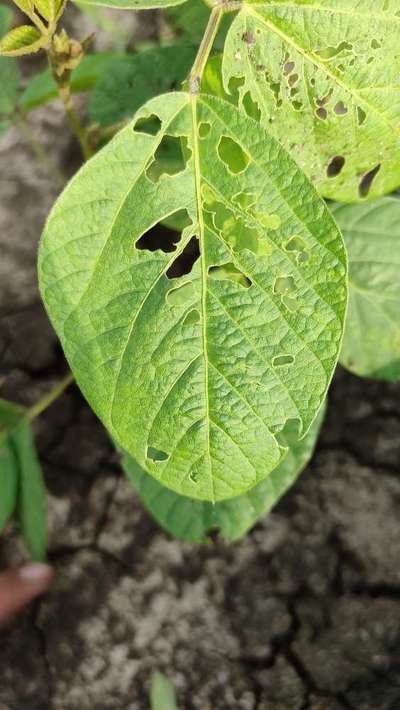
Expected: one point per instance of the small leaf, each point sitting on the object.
(198, 382)
(371, 344)
(32, 499)
(25, 6)
(21, 40)
(10, 416)
(162, 693)
(133, 4)
(325, 78)
(191, 520)
(133, 79)
(22, 489)
(8, 483)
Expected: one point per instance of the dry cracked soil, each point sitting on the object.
(302, 614)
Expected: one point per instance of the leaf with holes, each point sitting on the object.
(192, 520)
(325, 77)
(195, 349)
(371, 345)
(133, 4)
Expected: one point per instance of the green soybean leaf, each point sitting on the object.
(10, 415)
(42, 88)
(133, 4)
(195, 362)
(325, 77)
(8, 483)
(191, 520)
(32, 500)
(22, 491)
(126, 84)
(162, 693)
(371, 345)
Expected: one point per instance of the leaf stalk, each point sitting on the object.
(49, 398)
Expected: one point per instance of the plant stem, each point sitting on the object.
(49, 398)
(205, 48)
(38, 150)
(64, 92)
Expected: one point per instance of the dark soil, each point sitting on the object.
(303, 614)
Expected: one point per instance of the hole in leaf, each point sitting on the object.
(169, 159)
(194, 476)
(192, 318)
(284, 284)
(148, 124)
(330, 52)
(281, 360)
(159, 237)
(251, 107)
(234, 85)
(180, 295)
(156, 454)
(249, 38)
(322, 113)
(245, 199)
(375, 44)
(234, 157)
(288, 67)
(367, 180)
(289, 434)
(184, 263)
(229, 272)
(335, 166)
(204, 129)
(340, 109)
(292, 79)
(165, 236)
(361, 116)
(296, 244)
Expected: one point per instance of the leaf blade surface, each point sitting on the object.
(371, 343)
(196, 374)
(191, 520)
(325, 77)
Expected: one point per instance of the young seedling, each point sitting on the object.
(192, 269)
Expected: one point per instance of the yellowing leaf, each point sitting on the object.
(21, 40)
(324, 75)
(198, 384)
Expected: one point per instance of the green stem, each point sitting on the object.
(49, 398)
(205, 49)
(38, 150)
(77, 128)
